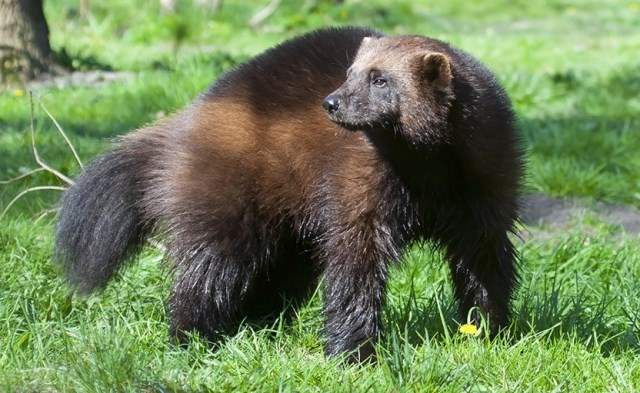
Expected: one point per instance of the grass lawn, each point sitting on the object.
(572, 69)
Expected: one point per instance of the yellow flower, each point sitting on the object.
(18, 93)
(469, 329)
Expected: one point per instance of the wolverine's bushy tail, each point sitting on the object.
(100, 223)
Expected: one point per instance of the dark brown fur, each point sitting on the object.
(259, 194)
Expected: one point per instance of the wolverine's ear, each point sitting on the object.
(437, 69)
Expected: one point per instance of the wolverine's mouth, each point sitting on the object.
(350, 126)
(361, 126)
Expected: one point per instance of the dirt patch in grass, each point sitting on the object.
(542, 213)
(81, 78)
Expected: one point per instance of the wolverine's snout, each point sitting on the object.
(339, 110)
(331, 103)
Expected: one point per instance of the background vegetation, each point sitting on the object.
(573, 72)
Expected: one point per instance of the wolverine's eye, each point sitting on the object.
(379, 82)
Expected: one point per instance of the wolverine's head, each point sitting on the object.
(396, 84)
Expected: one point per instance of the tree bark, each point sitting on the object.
(212, 6)
(168, 6)
(25, 53)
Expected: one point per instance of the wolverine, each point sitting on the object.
(319, 160)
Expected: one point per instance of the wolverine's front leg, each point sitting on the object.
(354, 285)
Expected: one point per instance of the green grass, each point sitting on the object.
(573, 72)
(576, 328)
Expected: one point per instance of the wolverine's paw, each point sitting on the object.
(353, 353)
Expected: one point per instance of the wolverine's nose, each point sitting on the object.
(331, 103)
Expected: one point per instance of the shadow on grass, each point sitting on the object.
(548, 313)
(590, 320)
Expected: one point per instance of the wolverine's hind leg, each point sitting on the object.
(208, 292)
(285, 284)
(214, 291)
(218, 260)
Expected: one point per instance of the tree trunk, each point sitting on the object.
(25, 53)
(212, 6)
(168, 6)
